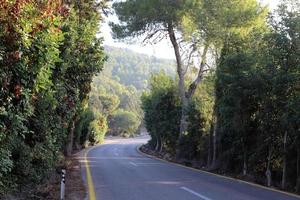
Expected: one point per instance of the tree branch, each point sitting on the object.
(202, 70)
(151, 35)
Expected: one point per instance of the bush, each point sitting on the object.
(82, 127)
(90, 128)
(162, 113)
(97, 129)
(5, 168)
(124, 123)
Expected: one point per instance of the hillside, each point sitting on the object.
(131, 68)
(116, 90)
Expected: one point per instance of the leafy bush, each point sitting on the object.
(97, 129)
(162, 112)
(162, 116)
(124, 123)
(82, 127)
(6, 164)
(49, 53)
(90, 128)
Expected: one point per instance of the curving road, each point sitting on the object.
(118, 172)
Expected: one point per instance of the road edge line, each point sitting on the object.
(218, 175)
(90, 184)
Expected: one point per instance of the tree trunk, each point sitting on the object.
(245, 167)
(181, 84)
(298, 171)
(161, 145)
(268, 171)
(209, 153)
(69, 145)
(157, 147)
(215, 143)
(283, 180)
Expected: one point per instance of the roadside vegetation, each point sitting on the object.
(49, 54)
(234, 105)
(116, 91)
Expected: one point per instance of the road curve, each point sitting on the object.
(119, 172)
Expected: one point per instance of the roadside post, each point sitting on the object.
(62, 184)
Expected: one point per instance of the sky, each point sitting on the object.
(161, 50)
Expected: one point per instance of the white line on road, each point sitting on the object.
(132, 163)
(195, 193)
(150, 163)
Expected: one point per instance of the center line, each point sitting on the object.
(133, 164)
(195, 193)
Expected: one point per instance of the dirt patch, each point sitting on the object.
(75, 189)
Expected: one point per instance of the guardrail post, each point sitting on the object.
(62, 184)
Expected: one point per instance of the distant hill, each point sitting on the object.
(134, 69)
(115, 92)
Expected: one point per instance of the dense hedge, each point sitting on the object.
(48, 55)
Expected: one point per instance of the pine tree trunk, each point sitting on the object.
(161, 145)
(157, 147)
(215, 144)
(184, 116)
(283, 180)
(181, 84)
(245, 167)
(209, 153)
(268, 171)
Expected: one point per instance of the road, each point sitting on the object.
(117, 171)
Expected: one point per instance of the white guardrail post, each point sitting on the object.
(62, 184)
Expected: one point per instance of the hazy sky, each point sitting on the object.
(162, 49)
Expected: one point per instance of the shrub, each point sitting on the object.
(124, 123)
(97, 129)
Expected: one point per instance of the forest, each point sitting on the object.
(115, 92)
(233, 107)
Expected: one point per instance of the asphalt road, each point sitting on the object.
(119, 172)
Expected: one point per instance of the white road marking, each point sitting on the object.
(132, 163)
(149, 163)
(195, 193)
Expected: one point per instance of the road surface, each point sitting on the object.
(117, 171)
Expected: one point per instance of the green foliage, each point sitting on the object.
(48, 55)
(195, 142)
(90, 128)
(257, 91)
(108, 95)
(162, 116)
(247, 114)
(213, 21)
(130, 68)
(97, 129)
(124, 123)
(6, 165)
(82, 127)
(119, 87)
(162, 112)
(144, 16)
